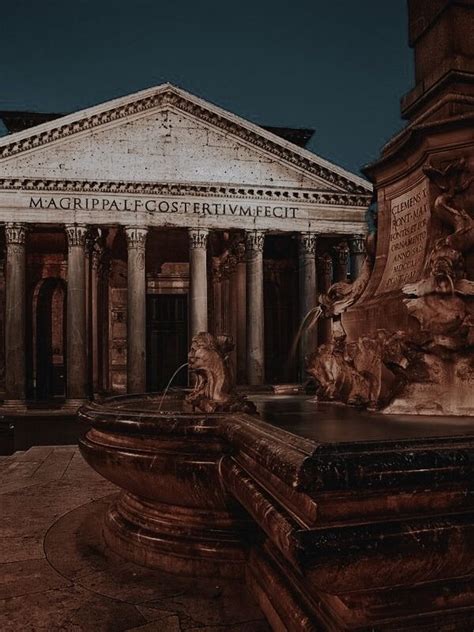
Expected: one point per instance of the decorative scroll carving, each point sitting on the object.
(198, 238)
(254, 241)
(214, 390)
(307, 243)
(170, 97)
(76, 235)
(136, 236)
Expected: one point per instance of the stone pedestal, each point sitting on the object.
(307, 293)
(15, 293)
(136, 309)
(198, 280)
(254, 242)
(76, 385)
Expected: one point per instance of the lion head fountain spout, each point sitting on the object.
(214, 386)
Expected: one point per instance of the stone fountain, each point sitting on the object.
(357, 520)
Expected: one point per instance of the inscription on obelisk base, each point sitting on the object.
(409, 219)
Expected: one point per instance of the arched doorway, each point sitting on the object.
(49, 321)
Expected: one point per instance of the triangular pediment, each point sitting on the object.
(165, 134)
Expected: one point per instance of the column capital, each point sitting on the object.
(342, 253)
(198, 238)
(325, 262)
(136, 236)
(238, 248)
(307, 243)
(254, 240)
(76, 235)
(15, 234)
(357, 244)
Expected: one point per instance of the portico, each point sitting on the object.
(151, 218)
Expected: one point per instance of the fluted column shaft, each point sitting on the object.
(136, 309)
(241, 313)
(307, 293)
(325, 268)
(15, 301)
(254, 241)
(76, 387)
(198, 280)
(96, 261)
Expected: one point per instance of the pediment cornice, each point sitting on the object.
(329, 198)
(169, 96)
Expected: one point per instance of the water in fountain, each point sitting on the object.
(308, 322)
(169, 384)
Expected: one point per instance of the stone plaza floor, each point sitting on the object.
(57, 574)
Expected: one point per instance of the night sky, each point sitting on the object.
(337, 66)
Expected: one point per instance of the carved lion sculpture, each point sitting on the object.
(214, 388)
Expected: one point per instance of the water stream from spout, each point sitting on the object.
(169, 384)
(308, 322)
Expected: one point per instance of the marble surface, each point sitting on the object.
(56, 573)
(333, 423)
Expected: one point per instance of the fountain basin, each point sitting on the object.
(344, 535)
(173, 513)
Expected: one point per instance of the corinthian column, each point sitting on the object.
(254, 241)
(136, 309)
(198, 280)
(307, 293)
(15, 378)
(76, 386)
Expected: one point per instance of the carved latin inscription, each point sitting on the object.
(409, 216)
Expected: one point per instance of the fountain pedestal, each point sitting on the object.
(330, 535)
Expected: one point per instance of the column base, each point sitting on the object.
(74, 404)
(13, 405)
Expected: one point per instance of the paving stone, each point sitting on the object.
(16, 549)
(58, 574)
(28, 576)
(70, 609)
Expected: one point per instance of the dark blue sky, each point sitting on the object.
(337, 66)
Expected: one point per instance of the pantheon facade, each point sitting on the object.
(130, 226)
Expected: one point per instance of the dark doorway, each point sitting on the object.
(167, 344)
(49, 338)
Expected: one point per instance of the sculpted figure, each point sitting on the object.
(342, 295)
(367, 372)
(452, 181)
(442, 302)
(214, 388)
